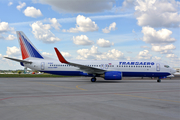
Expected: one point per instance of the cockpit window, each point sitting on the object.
(167, 66)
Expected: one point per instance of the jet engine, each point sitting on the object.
(112, 75)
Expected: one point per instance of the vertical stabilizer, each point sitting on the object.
(27, 48)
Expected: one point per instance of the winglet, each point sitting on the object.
(60, 57)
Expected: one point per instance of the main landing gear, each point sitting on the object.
(158, 80)
(93, 79)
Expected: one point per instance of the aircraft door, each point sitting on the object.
(104, 66)
(42, 65)
(157, 67)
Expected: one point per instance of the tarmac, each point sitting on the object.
(76, 98)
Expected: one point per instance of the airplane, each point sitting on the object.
(107, 69)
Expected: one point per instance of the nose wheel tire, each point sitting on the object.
(93, 79)
(158, 80)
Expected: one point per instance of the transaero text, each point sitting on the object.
(136, 63)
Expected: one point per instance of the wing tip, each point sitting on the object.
(60, 57)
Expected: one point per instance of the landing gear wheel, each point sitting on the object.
(158, 80)
(93, 79)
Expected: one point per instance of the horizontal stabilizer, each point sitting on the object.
(18, 60)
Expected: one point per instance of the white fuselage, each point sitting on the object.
(128, 68)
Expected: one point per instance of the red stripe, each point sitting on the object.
(23, 49)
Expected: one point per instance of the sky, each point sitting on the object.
(92, 29)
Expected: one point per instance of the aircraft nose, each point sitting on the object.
(173, 71)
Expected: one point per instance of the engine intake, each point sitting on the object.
(112, 75)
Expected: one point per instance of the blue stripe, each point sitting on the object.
(145, 74)
(124, 74)
(31, 50)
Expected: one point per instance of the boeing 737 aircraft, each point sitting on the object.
(109, 70)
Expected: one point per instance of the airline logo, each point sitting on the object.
(27, 49)
(136, 63)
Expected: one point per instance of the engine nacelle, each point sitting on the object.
(113, 75)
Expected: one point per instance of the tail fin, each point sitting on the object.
(27, 48)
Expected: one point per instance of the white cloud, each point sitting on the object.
(4, 27)
(80, 6)
(144, 55)
(171, 56)
(127, 4)
(88, 54)
(13, 51)
(93, 53)
(157, 13)
(10, 3)
(41, 32)
(10, 37)
(21, 5)
(104, 43)
(63, 30)
(46, 53)
(145, 47)
(128, 58)
(156, 37)
(54, 23)
(111, 55)
(83, 24)
(112, 26)
(0, 55)
(156, 58)
(164, 49)
(32, 12)
(82, 40)
(66, 54)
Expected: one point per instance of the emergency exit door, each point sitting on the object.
(157, 67)
(42, 65)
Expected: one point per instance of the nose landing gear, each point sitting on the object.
(158, 80)
(93, 79)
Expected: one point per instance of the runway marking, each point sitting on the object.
(147, 97)
(80, 88)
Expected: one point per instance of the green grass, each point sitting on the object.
(29, 75)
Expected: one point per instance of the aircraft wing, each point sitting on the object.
(18, 60)
(84, 68)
